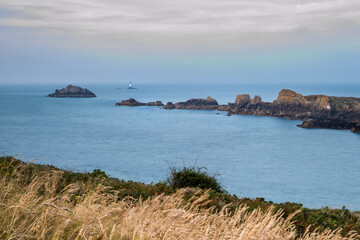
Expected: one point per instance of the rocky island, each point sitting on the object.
(316, 111)
(133, 103)
(72, 91)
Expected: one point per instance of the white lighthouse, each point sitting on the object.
(130, 85)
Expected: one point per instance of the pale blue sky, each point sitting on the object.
(234, 41)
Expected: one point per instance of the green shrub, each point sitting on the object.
(193, 177)
(97, 173)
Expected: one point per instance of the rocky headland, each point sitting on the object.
(72, 91)
(316, 111)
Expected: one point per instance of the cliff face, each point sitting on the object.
(72, 92)
(316, 111)
(312, 103)
(289, 96)
(242, 99)
(319, 102)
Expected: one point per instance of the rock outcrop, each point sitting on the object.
(289, 96)
(196, 104)
(132, 103)
(316, 111)
(356, 128)
(256, 99)
(321, 102)
(242, 99)
(72, 91)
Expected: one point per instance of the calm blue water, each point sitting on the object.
(255, 156)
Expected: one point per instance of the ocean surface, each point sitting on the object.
(255, 156)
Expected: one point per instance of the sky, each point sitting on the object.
(188, 41)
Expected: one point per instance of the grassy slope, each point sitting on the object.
(320, 219)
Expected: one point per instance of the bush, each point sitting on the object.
(97, 173)
(193, 177)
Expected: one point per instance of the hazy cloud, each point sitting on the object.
(186, 24)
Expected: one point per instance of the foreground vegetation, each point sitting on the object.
(44, 202)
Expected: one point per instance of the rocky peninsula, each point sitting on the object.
(72, 91)
(316, 111)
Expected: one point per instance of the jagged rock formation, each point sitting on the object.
(256, 99)
(72, 92)
(316, 111)
(132, 102)
(242, 99)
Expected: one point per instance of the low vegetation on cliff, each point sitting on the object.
(44, 202)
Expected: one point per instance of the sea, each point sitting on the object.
(252, 156)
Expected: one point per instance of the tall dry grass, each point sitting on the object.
(35, 208)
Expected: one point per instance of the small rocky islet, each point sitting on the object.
(72, 91)
(316, 111)
(133, 103)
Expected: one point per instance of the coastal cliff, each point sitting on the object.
(72, 91)
(316, 111)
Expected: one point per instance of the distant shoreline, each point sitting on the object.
(316, 111)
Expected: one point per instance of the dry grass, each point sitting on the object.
(33, 209)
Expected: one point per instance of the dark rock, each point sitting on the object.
(133, 103)
(223, 108)
(316, 111)
(72, 92)
(169, 105)
(130, 102)
(335, 123)
(209, 101)
(155, 104)
(195, 104)
(356, 128)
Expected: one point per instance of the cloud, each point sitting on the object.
(185, 24)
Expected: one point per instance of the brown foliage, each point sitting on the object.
(36, 209)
